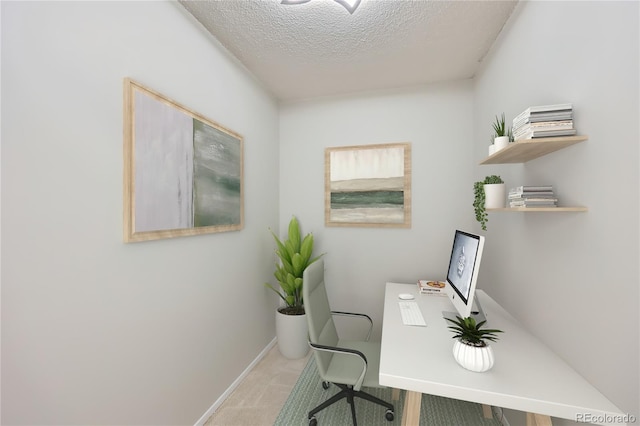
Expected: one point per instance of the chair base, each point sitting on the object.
(350, 394)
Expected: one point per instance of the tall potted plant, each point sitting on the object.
(291, 323)
(489, 193)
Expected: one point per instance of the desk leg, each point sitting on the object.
(538, 420)
(486, 411)
(411, 413)
(395, 394)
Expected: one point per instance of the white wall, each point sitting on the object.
(572, 278)
(437, 121)
(95, 331)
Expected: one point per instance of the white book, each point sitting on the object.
(531, 188)
(518, 133)
(546, 134)
(432, 287)
(548, 125)
(563, 116)
(543, 109)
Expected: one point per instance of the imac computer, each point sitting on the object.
(462, 275)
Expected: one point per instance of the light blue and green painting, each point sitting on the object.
(367, 185)
(217, 174)
(187, 173)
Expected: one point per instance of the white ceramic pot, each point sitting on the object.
(495, 195)
(293, 335)
(501, 142)
(473, 358)
(492, 149)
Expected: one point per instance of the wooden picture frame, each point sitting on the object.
(368, 186)
(183, 173)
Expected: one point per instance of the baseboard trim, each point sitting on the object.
(235, 384)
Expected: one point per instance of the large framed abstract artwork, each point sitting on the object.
(183, 173)
(368, 185)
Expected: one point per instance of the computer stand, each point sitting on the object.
(477, 313)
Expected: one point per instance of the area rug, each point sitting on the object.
(308, 393)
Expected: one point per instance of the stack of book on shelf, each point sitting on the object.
(532, 196)
(544, 121)
(432, 287)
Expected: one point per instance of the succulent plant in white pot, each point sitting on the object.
(471, 349)
(502, 134)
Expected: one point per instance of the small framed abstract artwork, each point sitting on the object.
(368, 185)
(183, 173)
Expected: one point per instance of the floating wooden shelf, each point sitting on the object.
(540, 209)
(524, 150)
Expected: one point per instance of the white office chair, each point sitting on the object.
(348, 364)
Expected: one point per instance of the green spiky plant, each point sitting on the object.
(479, 198)
(499, 126)
(500, 129)
(295, 255)
(471, 333)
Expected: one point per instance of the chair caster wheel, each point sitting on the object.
(313, 421)
(389, 415)
(325, 385)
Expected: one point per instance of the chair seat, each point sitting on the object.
(347, 368)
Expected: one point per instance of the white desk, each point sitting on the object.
(526, 375)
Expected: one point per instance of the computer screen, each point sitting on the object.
(462, 274)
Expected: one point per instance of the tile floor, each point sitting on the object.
(260, 396)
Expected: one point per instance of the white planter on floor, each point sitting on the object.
(293, 335)
(495, 195)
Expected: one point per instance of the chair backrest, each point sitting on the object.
(322, 329)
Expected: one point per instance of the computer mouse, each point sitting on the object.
(406, 296)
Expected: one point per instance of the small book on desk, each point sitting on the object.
(432, 287)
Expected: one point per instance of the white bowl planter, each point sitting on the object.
(473, 358)
(293, 335)
(495, 195)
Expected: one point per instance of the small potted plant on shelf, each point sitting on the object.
(291, 323)
(489, 193)
(471, 349)
(501, 134)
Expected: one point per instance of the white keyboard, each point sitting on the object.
(411, 314)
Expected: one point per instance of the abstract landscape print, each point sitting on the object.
(217, 186)
(183, 172)
(368, 185)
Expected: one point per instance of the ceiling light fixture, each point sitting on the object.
(350, 5)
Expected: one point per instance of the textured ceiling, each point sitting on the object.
(320, 49)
